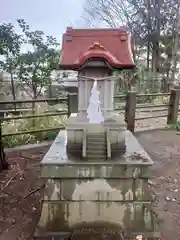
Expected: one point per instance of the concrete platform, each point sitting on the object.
(80, 192)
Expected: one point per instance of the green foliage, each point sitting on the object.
(10, 45)
(154, 100)
(178, 126)
(161, 100)
(27, 124)
(34, 68)
(175, 126)
(10, 41)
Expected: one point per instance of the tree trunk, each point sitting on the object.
(156, 38)
(13, 88)
(3, 162)
(175, 48)
(149, 32)
(34, 90)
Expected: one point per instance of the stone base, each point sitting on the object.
(40, 235)
(77, 127)
(97, 231)
(81, 194)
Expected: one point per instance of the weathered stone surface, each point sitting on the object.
(134, 154)
(95, 231)
(141, 190)
(53, 190)
(113, 192)
(41, 235)
(62, 216)
(97, 190)
(104, 170)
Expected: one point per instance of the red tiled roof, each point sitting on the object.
(113, 45)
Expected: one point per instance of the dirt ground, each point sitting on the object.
(20, 195)
(164, 148)
(21, 190)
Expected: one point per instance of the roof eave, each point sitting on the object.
(77, 67)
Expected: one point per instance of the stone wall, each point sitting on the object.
(81, 193)
(77, 195)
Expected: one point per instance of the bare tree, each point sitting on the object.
(153, 23)
(175, 46)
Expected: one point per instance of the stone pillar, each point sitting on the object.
(109, 96)
(82, 95)
(95, 70)
(112, 95)
(86, 96)
(73, 99)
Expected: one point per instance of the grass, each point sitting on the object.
(21, 125)
(37, 123)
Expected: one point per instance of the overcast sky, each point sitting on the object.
(50, 16)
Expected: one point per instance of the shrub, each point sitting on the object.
(178, 125)
(161, 100)
(153, 100)
(37, 123)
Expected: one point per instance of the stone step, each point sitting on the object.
(96, 155)
(96, 150)
(96, 140)
(96, 159)
(96, 135)
(96, 132)
(96, 145)
(91, 155)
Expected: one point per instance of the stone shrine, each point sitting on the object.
(96, 171)
(96, 59)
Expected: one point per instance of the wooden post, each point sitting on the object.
(130, 110)
(173, 106)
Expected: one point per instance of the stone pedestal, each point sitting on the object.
(79, 194)
(77, 129)
(72, 99)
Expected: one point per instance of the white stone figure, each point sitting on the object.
(94, 113)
